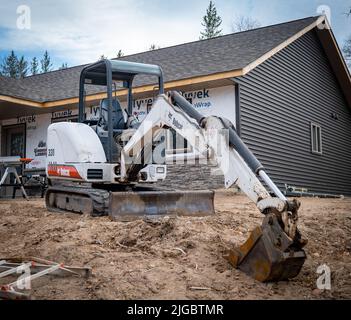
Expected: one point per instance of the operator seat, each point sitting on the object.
(118, 120)
(118, 123)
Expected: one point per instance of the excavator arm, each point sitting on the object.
(273, 251)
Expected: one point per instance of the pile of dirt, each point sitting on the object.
(173, 258)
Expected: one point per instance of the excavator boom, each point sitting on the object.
(274, 251)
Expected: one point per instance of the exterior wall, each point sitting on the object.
(279, 100)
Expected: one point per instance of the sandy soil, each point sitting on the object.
(168, 258)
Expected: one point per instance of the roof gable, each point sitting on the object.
(240, 52)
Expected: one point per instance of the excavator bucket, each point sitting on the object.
(131, 205)
(268, 255)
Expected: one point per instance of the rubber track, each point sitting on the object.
(100, 198)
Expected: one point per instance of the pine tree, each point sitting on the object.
(22, 67)
(34, 66)
(9, 66)
(120, 54)
(103, 57)
(212, 22)
(46, 64)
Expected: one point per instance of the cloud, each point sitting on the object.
(79, 31)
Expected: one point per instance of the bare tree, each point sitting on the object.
(244, 23)
(63, 66)
(154, 47)
(348, 13)
(347, 45)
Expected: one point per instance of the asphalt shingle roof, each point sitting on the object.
(225, 53)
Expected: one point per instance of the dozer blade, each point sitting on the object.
(126, 206)
(268, 255)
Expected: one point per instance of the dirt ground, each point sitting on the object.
(173, 257)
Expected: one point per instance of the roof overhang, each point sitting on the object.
(211, 80)
(336, 60)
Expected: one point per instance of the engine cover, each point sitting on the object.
(69, 142)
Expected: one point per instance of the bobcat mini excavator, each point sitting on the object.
(105, 167)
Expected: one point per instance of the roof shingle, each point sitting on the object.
(199, 58)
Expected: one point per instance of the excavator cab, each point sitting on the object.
(113, 119)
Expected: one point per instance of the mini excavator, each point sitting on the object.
(109, 165)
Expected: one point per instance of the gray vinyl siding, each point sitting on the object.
(279, 100)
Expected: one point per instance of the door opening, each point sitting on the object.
(13, 141)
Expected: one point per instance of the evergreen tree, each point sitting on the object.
(103, 57)
(212, 22)
(120, 54)
(34, 66)
(46, 64)
(22, 67)
(9, 66)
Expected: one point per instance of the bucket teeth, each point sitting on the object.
(268, 254)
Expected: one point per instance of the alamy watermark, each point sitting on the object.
(24, 21)
(325, 11)
(324, 280)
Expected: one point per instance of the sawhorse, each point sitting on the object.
(13, 170)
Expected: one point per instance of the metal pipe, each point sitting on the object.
(186, 106)
(312, 195)
(130, 99)
(110, 113)
(272, 185)
(161, 82)
(235, 141)
(81, 98)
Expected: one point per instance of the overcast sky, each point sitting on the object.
(80, 31)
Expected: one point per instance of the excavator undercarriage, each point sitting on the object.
(129, 202)
(107, 167)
